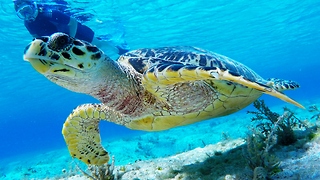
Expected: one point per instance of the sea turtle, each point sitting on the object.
(149, 89)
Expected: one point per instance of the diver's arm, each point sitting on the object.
(105, 45)
(32, 29)
(63, 19)
(73, 26)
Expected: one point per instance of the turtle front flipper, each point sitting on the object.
(270, 88)
(164, 74)
(158, 77)
(81, 133)
(172, 73)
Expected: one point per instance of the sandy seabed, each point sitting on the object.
(206, 150)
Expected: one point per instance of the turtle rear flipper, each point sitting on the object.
(280, 84)
(81, 133)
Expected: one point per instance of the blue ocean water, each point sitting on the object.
(275, 38)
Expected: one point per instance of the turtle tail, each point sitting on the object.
(81, 133)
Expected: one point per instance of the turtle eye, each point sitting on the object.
(60, 41)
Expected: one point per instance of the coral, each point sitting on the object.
(103, 172)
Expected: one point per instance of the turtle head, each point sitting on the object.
(66, 61)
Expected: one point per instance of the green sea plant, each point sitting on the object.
(314, 109)
(271, 129)
(267, 121)
(258, 155)
(315, 133)
(102, 172)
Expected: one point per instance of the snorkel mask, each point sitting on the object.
(27, 11)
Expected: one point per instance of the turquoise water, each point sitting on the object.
(275, 38)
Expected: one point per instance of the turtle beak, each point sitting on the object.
(37, 62)
(39, 66)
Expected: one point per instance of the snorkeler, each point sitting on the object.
(44, 21)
